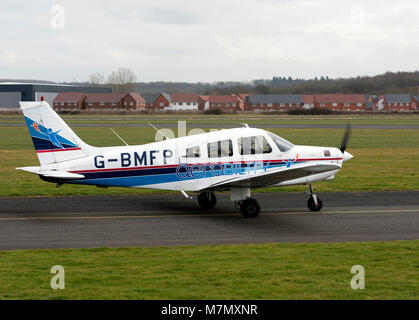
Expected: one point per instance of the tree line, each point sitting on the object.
(125, 80)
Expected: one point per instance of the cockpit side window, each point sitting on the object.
(253, 145)
(218, 149)
(192, 152)
(282, 144)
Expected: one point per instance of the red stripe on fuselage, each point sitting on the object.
(57, 150)
(190, 164)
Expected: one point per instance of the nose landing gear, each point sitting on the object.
(314, 203)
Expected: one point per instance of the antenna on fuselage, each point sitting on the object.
(245, 125)
(119, 136)
(157, 130)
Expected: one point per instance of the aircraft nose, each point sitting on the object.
(347, 156)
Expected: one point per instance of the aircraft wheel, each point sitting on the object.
(250, 208)
(207, 200)
(312, 205)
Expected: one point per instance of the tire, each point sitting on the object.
(250, 208)
(312, 205)
(207, 200)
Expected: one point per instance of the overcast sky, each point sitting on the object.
(216, 40)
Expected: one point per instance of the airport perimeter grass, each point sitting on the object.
(384, 159)
(260, 271)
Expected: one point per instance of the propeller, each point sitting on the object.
(345, 138)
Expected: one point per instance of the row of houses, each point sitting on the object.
(235, 102)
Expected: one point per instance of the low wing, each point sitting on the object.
(275, 176)
(55, 174)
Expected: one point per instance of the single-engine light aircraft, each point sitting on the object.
(235, 159)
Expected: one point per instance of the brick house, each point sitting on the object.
(162, 102)
(203, 102)
(149, 100)
(414, 103)
(308, 101)
(109, 101)
(223, 102)
(277, 102)
(69, 101)
(341, 102)
(393, 102)
(134, 101)
(241, 98)
(183, 101)
(370, 102)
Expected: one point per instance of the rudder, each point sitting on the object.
(53, 139)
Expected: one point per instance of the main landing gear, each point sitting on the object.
(314, 203)
(249, 207)
(207, 200)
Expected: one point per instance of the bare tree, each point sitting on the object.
(122, 80)
(97, 79)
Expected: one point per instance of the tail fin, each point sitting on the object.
(53, 139)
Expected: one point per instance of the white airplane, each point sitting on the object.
(231, 159)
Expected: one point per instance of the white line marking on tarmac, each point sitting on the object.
(202, 215)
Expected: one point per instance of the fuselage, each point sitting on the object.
(201, 161)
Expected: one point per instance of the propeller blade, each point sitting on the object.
(345, 138)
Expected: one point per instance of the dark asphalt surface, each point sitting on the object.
(166, 220)
(235, 125)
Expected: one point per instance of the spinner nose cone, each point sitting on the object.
(346, 156)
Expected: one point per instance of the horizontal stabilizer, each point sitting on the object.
(62, 175)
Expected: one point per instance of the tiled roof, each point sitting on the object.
(340, 98)
(222, 99)
(276, 98)
(184, 97)
(104, 97)
(150, 97)
(137, 97)
(69, 96)
(401, 98)
(308, 98)
(167, 96)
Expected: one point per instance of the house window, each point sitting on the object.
(269, 104)
(212, 104)
(220, 149)
(359, 104)
(253, 145)
(282, 104)
(322, 104)
(335, 104)
(346, 104)
(161, 104)
(131, 104)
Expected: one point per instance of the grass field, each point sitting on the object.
(265, 271)
(384, 159)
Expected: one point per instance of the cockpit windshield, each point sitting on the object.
(282, 144)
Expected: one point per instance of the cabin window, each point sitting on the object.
(254, 145)
(220, 149)
(282, 144)
(192, 152)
